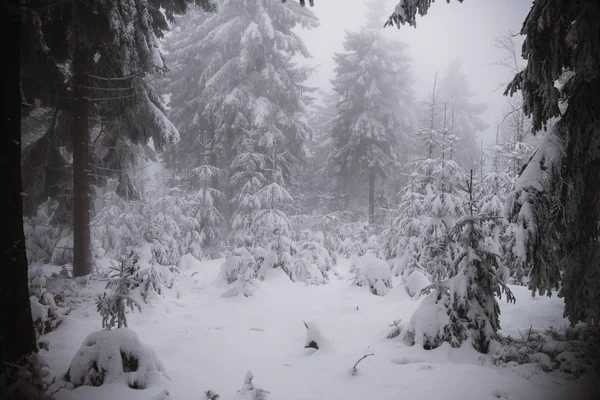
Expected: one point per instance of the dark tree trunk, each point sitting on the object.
(80, 138)
(17, 338)
(371, 195)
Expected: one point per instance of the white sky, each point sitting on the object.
(465, 30)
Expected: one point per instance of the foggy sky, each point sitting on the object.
(465, 30)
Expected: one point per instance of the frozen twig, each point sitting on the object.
(354, 370)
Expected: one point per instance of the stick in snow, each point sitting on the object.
(354, 370)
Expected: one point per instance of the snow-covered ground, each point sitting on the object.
(207, 342)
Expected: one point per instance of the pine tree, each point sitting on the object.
(234, 74)
(374, 108)
(467, 296)
(247, 178)
(464, 115)
(104, 84)
(430, 204)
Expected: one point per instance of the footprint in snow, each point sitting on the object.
(498, 394)
(215, 328)
(407, 360)
(257, 329)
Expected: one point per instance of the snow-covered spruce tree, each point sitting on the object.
(561, 43)
(492, 190)
(247, 178)
(105, 85)
(463, 114)
(113, 308)
(467, 298)
(430, 204)
(202, 201)
(237, 76)
(374, 115)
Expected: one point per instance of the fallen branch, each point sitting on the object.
(354, 370)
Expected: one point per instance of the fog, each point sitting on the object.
(449, 31)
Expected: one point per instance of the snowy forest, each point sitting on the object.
(190, 203)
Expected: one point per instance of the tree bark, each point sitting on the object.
(17, 337)
(371, 195)
(82, 248)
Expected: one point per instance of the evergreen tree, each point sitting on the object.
(97, 56)
(561, 43)
(374, 116)
(430, 204)
(234, 74)
(463, 115)
(247, 178)
(467, 296)
(15, 344)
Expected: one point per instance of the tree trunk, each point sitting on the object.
(371, 195)
(17, 337)
(82, 249)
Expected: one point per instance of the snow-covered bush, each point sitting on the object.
(113, 308)
(463, 306)
(372, 272)
(571, 350)
(63, 251)
(41, 234)
(44, 311)
(358, 239)
(415, 283)
(140, 274)
(314, 338)
(174, 223)
(311, 263)
(239, 270)
(111, 356)
(249, 391)
(26, 380)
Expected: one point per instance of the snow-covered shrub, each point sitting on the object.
(463, 306)
(140, 274)
(26, 380)
(111, 356)
(318, 228)
(373, 272)
(272, 230)
(41, 234)
(174, 223)
(44, 311)
(311, 263)
(239, 270)
(415, 283)
(113, 308)
(314, 339)
(572, 350)
(63, 251)
(357, 239)
(249, 391)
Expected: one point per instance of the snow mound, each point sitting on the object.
(187, 262)
(115, 356)
(373, 272)
(249, 391)
(314, 337)
(428, 324)
(415, 282)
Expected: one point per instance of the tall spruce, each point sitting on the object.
(374, 111)
(244, 81)
(17, 338)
